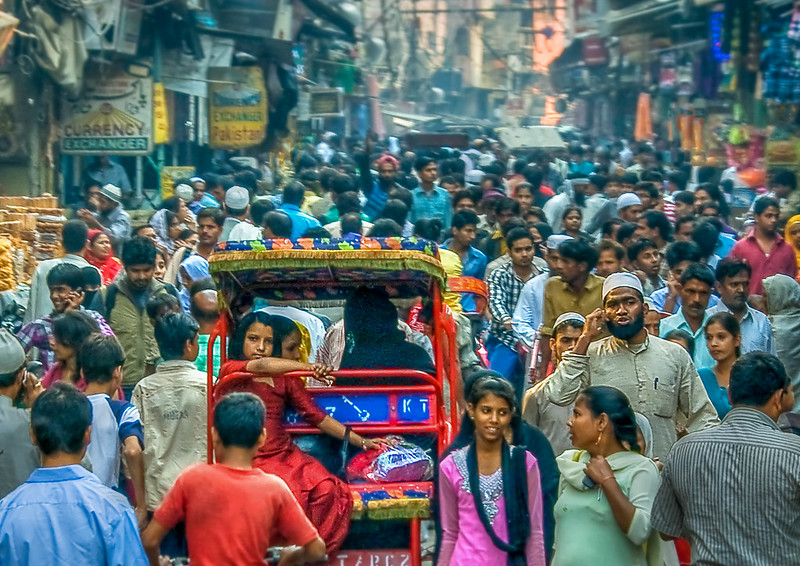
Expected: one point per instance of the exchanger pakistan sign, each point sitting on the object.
(113, 117)
(237, 100)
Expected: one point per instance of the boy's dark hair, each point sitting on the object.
(609, 245)
(700, 272)
(658, 220)
(74, 236)
(730, 267)
(395, 209)
(316, 232)
(465, 218)
(599, 181)
(686, 197)
(259, 209)
(385, 228)
(214, 214)
(626, 230)
(428, 228)
(172, 331)
(639, 246)
(679, 334)
(629, 179)
(139, 251)
(348, 202)
(351, 223)
(755, 377)
(579, 251)
(763, 203)
(186, 233)
(608, 225)
(279, 223)
(533, 176)
(785, 177)
(517, 234)
(66, 274)
(682, 251)
(239, 419)
(705, 235)
(462, 195)
(505, 204)
(649, 187)
(679, 179)
(403, 194)
(60, 418)
(158, 303)
(99, 357)
(422, 162)
(294, 193)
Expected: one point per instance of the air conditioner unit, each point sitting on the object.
(113, 26)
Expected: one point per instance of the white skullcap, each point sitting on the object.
(556, 240)
(628, 199)
(12, 355)
(185, 192)
(569, 316)
(237, 198)
(580, 181)
(621, 279)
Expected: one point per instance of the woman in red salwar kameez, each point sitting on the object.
(256, 347)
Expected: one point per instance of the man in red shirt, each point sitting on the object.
(231, 509)
(764, 249)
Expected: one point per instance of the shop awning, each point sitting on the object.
(328, 11)
(613, 22)
(533, 137)
(406, 120)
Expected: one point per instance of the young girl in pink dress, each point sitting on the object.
(490, 493)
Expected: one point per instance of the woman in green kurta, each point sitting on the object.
(607, 489)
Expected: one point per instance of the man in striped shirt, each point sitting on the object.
(734, 490)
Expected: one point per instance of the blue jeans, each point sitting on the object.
(505, 361)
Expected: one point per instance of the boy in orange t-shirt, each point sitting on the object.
(231, 509)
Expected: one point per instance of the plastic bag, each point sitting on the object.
(402, 462)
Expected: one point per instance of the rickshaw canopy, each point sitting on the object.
(318, 269)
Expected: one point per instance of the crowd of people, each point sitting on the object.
(625, 317)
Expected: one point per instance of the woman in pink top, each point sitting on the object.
(70, 331)
(490, 492)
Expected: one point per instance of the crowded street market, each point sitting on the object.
(400, 282)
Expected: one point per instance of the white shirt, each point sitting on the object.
(244, 231)
(105, 445)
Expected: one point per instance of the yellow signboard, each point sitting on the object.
(169, 174)
(160, 115)
(237, 99)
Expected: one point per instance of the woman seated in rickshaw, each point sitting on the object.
(261, 345)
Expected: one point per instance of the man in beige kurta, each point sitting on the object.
(658, 377)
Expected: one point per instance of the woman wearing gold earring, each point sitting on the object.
(607, 488)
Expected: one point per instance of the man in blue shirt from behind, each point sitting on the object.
(293, 195)
(63, 515)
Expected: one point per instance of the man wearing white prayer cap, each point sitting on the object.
(658, 377)
(537, 410)
(629, 207)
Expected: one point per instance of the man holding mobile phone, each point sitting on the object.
(18, 456)
(66, 284)
(658, 377)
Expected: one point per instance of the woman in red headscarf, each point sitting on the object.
(102, 257)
